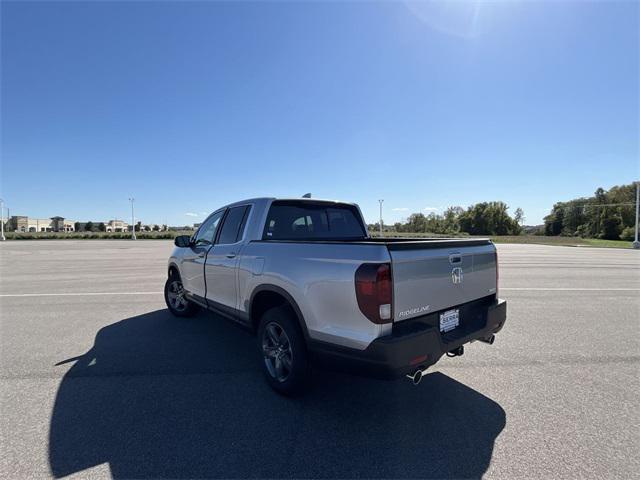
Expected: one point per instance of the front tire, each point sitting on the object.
(174, 297)
(281, 343)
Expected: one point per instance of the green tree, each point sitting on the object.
(434, 223)
(88, 227)
(450, 219)
(518, 216)
(475, 220)
(611, 225)
(500, 221)
(628, 234)
(488, 218)
(417, 222)
(554, 221)
(604, 215)
(600, 198)
(626, 195)
(102, 227)
(573, 217)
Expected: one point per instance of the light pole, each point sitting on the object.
(381, 202)
(2, 221)
(133, 220)
(636, 243)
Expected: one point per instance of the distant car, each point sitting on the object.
(307, 278)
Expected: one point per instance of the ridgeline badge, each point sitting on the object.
(414, 311)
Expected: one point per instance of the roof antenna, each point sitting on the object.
(306, 195)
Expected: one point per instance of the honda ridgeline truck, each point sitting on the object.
(307, 278)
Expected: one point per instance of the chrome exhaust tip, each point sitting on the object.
(416, 377)
(489, 340)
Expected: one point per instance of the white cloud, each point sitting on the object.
(191, 214)
(401, 209)
(431, 209)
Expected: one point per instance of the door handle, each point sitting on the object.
(231, 255)
(200, 255)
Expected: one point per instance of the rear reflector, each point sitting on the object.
(385, 311)
(418, 360)
(374, 291)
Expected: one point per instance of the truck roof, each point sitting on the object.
(288, 199)
(302, 199)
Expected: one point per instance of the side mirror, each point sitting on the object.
(182, 241)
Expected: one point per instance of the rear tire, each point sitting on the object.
(174, 297)
(284, 353)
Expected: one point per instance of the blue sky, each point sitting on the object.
(188, 106)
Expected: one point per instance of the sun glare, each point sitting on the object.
(460, 18)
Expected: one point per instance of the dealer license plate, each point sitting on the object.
(449, 320)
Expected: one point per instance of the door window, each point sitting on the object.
(207, 231)
(233, 225)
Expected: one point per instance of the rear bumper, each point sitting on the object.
(414, 343)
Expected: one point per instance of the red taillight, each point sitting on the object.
(497, 275)
(374, 291)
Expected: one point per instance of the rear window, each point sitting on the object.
(312, 221)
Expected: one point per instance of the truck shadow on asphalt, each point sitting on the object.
(158, 396)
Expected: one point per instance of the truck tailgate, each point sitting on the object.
(429, 278)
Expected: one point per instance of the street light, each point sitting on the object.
(636, 243)
(133, 220)
(2, 221)
(381, 202)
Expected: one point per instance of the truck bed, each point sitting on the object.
(429, 275)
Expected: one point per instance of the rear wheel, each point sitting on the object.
(283, 351)
(175, 298)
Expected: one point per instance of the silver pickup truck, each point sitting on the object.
(306, 277)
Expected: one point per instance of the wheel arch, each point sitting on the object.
(173, 269)
(267, 296)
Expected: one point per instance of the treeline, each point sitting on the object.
(89, 227)
(608, 214)
(101, 227)
(144, 235)
(486, 218)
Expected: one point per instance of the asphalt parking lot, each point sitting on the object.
(98, 380)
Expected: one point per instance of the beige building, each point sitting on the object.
(116, 226)
(19, 223)
(60, 224)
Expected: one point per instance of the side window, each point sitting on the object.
(233, 225)
(207, 231)
(247, 211)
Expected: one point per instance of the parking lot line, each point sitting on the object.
(75, 294)
(570, 289)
